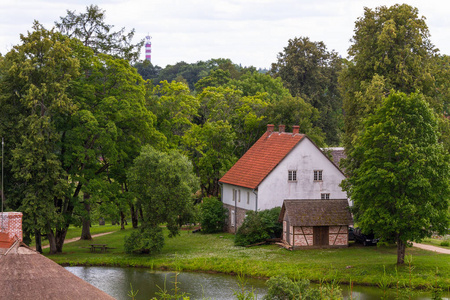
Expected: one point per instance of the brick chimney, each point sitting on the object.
(270, 127)
(281, 128)
(10, 228)
(295, 129)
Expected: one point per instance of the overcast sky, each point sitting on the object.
(249, 32)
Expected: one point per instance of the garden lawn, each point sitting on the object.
(434, 242)
(217, 253)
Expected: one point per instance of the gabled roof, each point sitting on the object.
(261, 159)
(328, 212)
(27, 274)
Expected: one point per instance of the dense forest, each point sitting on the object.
(83, 118)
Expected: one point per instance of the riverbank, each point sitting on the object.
(216, 253)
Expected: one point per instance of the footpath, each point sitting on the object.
(77, 238)
(431, 248)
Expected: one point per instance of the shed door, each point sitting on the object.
(321, 235)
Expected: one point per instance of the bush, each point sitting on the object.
(212, 215)
(445, 243)
(258, 227)
(283, 288)
(148, 240)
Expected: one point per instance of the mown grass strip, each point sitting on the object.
(217, 253)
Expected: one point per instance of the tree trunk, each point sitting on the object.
(86, 230)
(52, 242)
(38, 241)
(401, 248)
(122, 220)
(60, 237)
(134, 216)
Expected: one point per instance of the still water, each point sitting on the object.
(116, 282)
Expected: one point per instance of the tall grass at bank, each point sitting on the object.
(216, 253)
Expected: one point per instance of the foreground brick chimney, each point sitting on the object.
(10, 228)
(270, 127)
(281, 128)
(295, 129)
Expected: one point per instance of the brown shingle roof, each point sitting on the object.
(261, 159)
(317, 212)
(26, 274)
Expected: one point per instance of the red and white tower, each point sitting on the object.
(148, 48)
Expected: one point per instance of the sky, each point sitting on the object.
(249, 32)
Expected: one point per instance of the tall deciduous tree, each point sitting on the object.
(400, 186)
(35, 105)
(90, 28)
(310, 71)
(164, 184)
(391, 50)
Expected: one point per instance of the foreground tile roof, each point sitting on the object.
(26, 274)
(261, 159)
(317, 212)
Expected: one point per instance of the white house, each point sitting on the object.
(279, 166)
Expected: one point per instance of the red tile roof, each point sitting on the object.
(261, 159)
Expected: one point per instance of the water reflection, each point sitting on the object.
(116, 282)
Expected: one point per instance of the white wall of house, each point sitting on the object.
(245, 197)
(305, 158)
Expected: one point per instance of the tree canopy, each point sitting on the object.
(91, 30)
(391, 50)
(399, 185)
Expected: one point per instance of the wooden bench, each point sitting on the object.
(101, 247)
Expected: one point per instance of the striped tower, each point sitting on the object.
(148, 48)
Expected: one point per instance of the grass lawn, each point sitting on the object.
(216, 253)
(434, 242)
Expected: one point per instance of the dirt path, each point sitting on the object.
(431, 248)
(77, 239)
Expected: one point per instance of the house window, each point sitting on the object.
(317, 175)
(325, 196)
(236, 195)
(248, 197)
(292, 175)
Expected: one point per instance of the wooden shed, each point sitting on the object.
(315, 223)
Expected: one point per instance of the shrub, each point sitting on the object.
(212, 215)
(283, 288)
(258, 227)
(147, 240)
(445, 243)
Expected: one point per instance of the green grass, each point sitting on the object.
(435, 242)
(75, 232)
(216, 253)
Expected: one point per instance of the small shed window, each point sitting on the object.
(325, 196)
(317, 175)
(248, 197)
(292, 175)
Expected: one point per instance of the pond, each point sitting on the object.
(116, 282)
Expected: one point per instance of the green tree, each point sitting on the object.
(34, 105)
(310, 71)
(91, 30)
(210, 147)
(212, 215)
(175, 109)
(164, 184)
(391, 50)
(400, 186)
